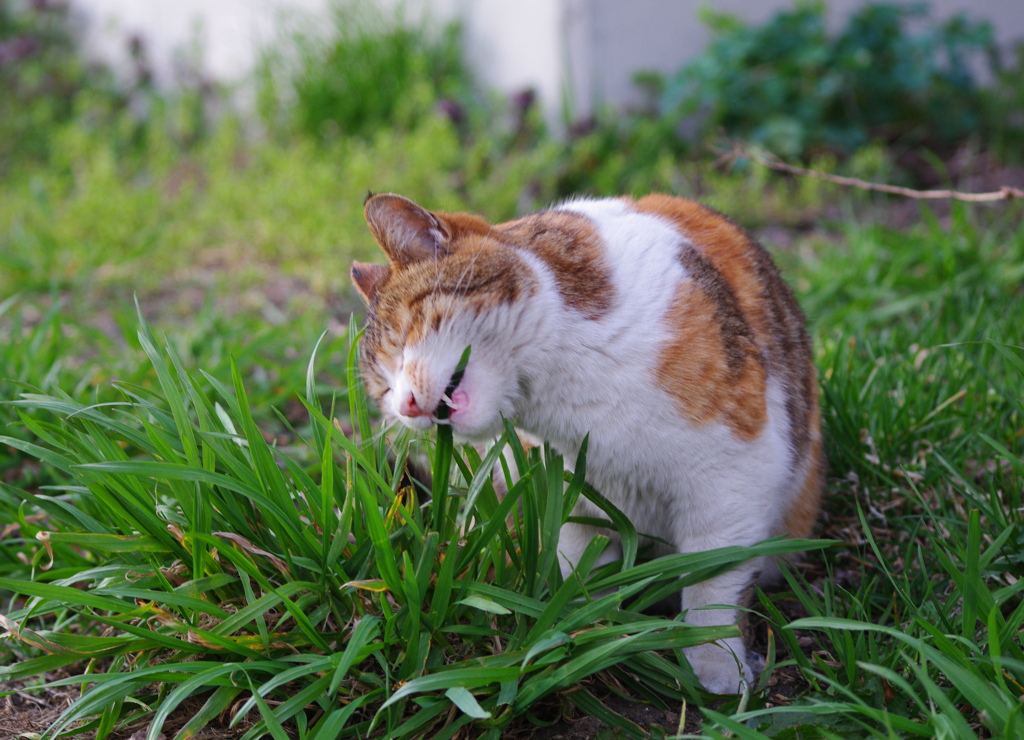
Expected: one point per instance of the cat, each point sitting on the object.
(655, 326)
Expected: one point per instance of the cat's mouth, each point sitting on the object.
(444, 409)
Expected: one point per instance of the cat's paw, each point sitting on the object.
(719, 668)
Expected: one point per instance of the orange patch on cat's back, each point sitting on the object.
(713, 366)
(570, 246)
(696, 372)
(724, 244)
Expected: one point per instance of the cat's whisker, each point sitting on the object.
(449, 402)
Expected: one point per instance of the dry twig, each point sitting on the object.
(771, 161)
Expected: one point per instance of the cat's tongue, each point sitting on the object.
(459, 399)
(444, 409)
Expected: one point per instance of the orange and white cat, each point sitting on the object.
(656, 326)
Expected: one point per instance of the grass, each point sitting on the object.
(360, 72)
(95, 220)
(219, 563)
(202, 524)
(188, 525)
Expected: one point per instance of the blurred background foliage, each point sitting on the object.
(359, 73)
(795, 87)
(105, 170)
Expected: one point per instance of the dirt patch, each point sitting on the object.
(555, 718)
(28, 711)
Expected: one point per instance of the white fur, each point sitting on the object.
(562, 376)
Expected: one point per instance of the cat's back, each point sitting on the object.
(730, 347)
(623, 253)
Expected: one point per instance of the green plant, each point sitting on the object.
(633, 154)
(44, 78)
(195, 559)
(367, 72)
(795, 88)
(1005, 106)
(53, 91)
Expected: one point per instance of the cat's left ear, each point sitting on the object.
(406, 232)
(366, 278)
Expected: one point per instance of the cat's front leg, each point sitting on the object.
(573, 540)
(721, 666)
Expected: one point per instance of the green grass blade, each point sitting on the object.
(217, 703)
(466, 702)
(467, 678)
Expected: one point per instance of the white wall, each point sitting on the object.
(230, 31)
(513, 44)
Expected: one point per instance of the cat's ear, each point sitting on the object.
(366, 278)
(405, 231)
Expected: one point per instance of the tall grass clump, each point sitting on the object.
(182, 555)
(55, 351)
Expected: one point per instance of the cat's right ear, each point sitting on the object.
(366, 278)
(406, 232)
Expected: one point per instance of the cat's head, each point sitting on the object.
(450, 283)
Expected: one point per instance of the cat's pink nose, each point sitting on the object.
(409, 407)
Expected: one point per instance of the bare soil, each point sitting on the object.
(27, 712)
